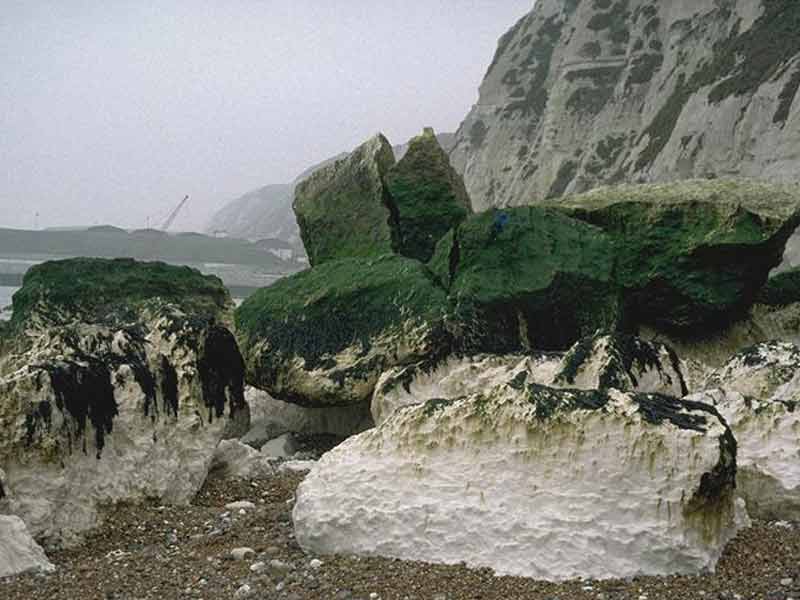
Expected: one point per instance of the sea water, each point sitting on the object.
(5, 301)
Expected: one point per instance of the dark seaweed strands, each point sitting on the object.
(85, 393)
(221, 369)
(84, 390)
(656, 409)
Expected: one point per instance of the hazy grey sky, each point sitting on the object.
(111, 111)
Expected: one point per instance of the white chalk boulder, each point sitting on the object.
(92, 414)
(757, 392)
(19, 553)
(768, 452)
(532, 481)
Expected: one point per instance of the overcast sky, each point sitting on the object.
(111, 111)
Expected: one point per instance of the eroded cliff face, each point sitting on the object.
(583, 93)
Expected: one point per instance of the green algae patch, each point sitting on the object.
(96, 289)
(343, 210)
(428, 195)
(350, 319)
(691, 254)
(781, 290)
(528, 278)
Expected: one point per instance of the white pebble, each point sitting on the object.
(242, 553)
(243, 592)
(315, 563)
(256, 567)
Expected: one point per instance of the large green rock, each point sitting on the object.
(528, 278)
(324, 336)
(343, 209)
(692, 255)
(428, 195)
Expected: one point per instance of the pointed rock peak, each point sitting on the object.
(427, 139)
(429, 196)
(342, 209)
(379, 149)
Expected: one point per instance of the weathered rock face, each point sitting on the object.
(531, 481)
(323, 337)
(111, 391)
(343, 209)
(591, 92)
(455, 377)
(528, 278)
(622, 362)
(428, 195)
(764, 371)
(19, 553)
(757, 391)
(692, 254)
(766, 433)
(600, 362)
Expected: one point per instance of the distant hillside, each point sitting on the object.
(267, 211)
(145, 245)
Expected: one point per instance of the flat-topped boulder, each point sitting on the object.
(343, 210)
(691, 255)
(113, 291)
(528, 278)
(428, 195)
(324, 336)
(531, 481)
(119, 382)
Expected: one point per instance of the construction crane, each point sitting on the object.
(172, 216)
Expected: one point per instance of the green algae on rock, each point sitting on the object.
(691, 255)
(324, 336)
(782, 289)
(428, 195)
(528, 278)
(343, 210)
(98, 289)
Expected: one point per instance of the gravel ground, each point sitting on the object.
(150, 551)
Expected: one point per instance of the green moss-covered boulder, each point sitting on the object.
(343, 210)
(528, 278)
(429, 197)
(324, 336)
(103, 290)
(692, 255)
